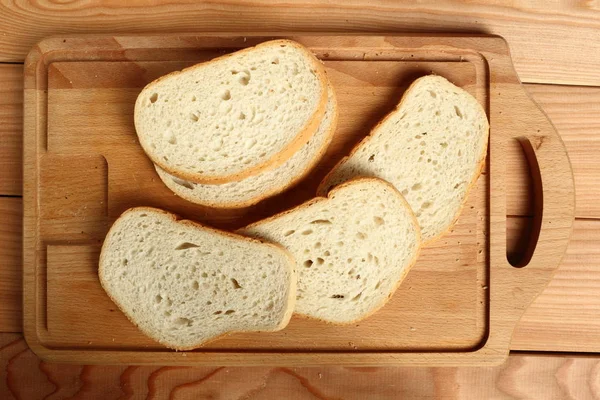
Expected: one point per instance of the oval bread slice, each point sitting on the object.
(234, 116)
(353, 248)
(255, 188)
(432, 148)
(184, 284)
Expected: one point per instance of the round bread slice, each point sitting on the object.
(255, 188)
(353, 248)
(432, 148)
(235, 116)
(184, 284)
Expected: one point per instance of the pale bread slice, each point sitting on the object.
(353, 248)
(255, 188)
(432, 148)
(235, 116)
(184, 284)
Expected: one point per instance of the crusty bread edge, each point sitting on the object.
(481, 163)
(291, 297)
(277, 159)
(329, 195)
(275, 190)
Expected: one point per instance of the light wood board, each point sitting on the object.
(458, 305)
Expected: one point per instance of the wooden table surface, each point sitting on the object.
(556, 51)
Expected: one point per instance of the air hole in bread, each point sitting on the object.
(317, 245)
(320, 261)
(321, 222)
(235, 283)
(432, 94)
(183, 321)
(245, 79)
(378, 285)
(226, 95)
(307, 232)
(167, 313)
(327, 253)
(361, 235)
(153, 98)
(416, 186)
(337, 296)
(459, 153)
(229, 312)
(458, 112)
(288, 233)
(242, 116)
(195, 285)
(308, 263)
(158, 299)
(340, 243)
(125, 262)
(186, 245)
(217, 312)
(357, 297)
(194, 117)
(372, 158)
(275, 61)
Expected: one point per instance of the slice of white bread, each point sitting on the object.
(184, 284)
(353, 248)
(255, 188)
(234, 116)
(432, 148)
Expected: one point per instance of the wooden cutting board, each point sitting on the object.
(84, 166)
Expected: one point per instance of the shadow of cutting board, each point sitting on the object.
(84, 166)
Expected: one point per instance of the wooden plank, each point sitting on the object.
(23, 375)
(11, 214)
(11, 128)
(550, 43)
(566, 316)
(575, 112)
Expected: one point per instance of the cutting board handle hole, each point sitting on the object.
(522, 233)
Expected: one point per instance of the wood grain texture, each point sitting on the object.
(575, 112)
(24, 376)
(11, 129)
(566, 316)
(551, 42)
(11, 283)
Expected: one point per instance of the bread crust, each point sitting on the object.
(323, 186)
(291, 296)
(275, 190)
(301, 138)
(326, 198)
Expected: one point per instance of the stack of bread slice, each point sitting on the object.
(238, 129)
(243, 127)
